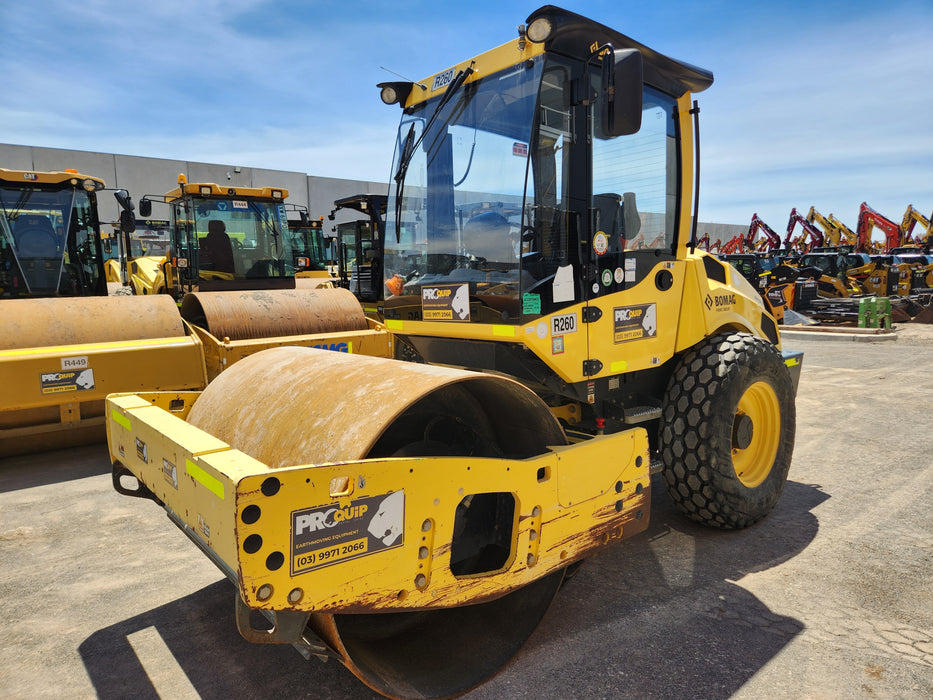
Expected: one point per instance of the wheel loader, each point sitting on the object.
(414, 519)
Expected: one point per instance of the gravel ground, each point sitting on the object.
(829, 597)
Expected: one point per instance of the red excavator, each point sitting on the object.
(868, 218)
(810, 232)
(771, 241)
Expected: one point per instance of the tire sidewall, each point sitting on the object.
(698, 472)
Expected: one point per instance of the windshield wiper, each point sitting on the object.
(410, 145)
(407, 149)
(266, 220)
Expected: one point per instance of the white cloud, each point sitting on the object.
(828, 118)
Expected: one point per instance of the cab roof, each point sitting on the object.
(576, 36)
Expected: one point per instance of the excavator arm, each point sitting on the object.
(868, 218)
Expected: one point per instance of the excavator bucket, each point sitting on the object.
(924, 314)
(413, 521)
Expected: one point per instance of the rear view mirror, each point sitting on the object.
(621, 94)
(127, 222)
(145, 207)
(123, 197)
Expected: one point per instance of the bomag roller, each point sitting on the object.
(414, 519)
(66, 344)
(135, 258)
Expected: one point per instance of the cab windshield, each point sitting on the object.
(226, 239)
(152, 240)
(510, 202)
(459, 220)
(307, 244)
(48, 242)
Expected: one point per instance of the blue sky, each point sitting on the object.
(814, 103)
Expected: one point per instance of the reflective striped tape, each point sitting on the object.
(211, 483)
(120, 419)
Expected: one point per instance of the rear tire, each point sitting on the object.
(727, 430)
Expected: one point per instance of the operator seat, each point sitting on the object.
(617, 217)
(487, 236)
(217, 248)
(35, 237)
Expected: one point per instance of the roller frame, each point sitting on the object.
(29, 417)
(219, 354)
(36, 416)
(570, 502)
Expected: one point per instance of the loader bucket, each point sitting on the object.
(924, 315)
(291, 406)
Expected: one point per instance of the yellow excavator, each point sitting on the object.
(399, 515)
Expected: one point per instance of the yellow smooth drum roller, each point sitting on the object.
(290, 406)
(37, 323)
(275, 312)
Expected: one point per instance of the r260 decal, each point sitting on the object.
(563, 324)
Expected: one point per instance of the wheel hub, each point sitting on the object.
(743, 430)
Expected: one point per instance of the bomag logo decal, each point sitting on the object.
(336, 347)
(721, 302)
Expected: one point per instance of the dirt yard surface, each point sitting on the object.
(829, 597)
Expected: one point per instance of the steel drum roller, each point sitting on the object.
(272, 313)
(291, 405)
(36, 323)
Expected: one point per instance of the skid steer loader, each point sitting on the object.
(414, 519)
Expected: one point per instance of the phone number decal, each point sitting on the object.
(330, 555)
